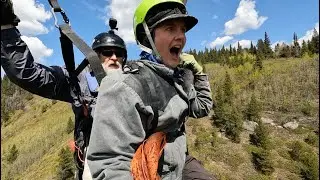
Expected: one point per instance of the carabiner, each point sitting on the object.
(64, 16)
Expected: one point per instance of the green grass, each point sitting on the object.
(37, 136)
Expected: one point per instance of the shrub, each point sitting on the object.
(253, 110)
(298, 148)
(12, 154)
(262, 162)
(306, 108)
(310, 167)
(233, 125)
(312, 139)
(229, 119)
(204, 138)
(44, 108)
(70, 126)
(66, 165)
(29, 96)
(261, 137)
(302, 153)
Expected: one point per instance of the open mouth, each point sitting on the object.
(113, 66)
(175, 51)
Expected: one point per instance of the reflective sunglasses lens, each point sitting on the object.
(107, 53)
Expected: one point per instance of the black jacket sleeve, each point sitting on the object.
(18, 63)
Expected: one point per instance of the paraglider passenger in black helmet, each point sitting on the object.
(139, 134)
(53, 81)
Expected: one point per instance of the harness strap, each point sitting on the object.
(55, 5)
(81, 66)
(91, 56)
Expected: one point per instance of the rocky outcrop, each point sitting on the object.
(291, 125)
(249, 125)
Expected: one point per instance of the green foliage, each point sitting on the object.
(205, 138)
(66, 166)
(44, 108)
(227, 115)
(267, 51)
(312, 139)
(302, 153)
(29, 96)
(261, 137)
(253, 110)
(12, 98)
(262, 161)
(310, 167)
(227, 89)
(70, 126)
(12, 154)
(306, 108)
(233, 125)
(258, 62)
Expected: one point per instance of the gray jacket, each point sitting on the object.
(51, 82)
(125, 112)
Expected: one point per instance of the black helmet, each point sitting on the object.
(109, 39)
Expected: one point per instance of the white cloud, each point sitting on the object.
(203, 43)
(32, 15)
(246, 18)
(37, 48)
(309, 34)
(220, 41)
(123, 11)
(215, 17)
(243, 43)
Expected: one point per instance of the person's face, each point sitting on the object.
(111, 57)
(169, 39)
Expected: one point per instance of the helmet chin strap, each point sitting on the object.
(154, 50)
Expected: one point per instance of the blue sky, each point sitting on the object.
(220, 22)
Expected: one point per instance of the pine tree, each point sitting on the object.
(258, 62)
(295, 49)
(233, 124)
(227, 89)
(310, 47)
(251, 50)
(66, 165)
(239, 49)
(253, 110)
(261, 137)
(230, 50)
(261, 48)
(267, 46)
(315, 42)
(262, 161)
(304, 48)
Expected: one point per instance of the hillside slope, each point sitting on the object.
(287, 88)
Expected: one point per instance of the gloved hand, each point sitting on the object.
(7, 13)
(189, 62)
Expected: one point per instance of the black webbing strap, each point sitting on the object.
(67, 53)
(91, 56)
(68, 39)
(81, 67)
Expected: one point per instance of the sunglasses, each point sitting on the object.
(109, 53)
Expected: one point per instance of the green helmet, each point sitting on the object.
(143, 11)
